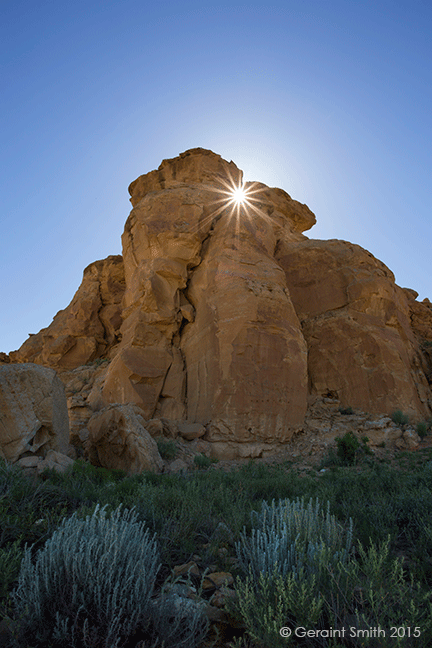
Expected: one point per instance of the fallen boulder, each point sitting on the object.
(119, 440)
(33, 412)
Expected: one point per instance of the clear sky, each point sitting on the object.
(331, 101)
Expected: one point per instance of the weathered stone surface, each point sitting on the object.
(177, 466)
(195, 166)
(357, 326)
(421, 322)
(33, 412)
(191, 431)
(245, 354)
(87, 328)
(190, 568)
(217, 579)
(411, 439)
(155, 427)
(221, 596)
(209, 331)
(82, 386)
(54, 460)
(118, 439)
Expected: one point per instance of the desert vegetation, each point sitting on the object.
(87, 557)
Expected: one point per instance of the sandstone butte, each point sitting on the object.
(234, 319)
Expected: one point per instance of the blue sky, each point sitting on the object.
(330, 101)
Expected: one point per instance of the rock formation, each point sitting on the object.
(88, 327)
(228, 316)
(33, 412)
(356, 323)
(118, 439)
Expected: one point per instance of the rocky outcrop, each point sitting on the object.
(227, 317)
(421, 323)
(209, 332)
(88, 328)
(33, 412)
(356, 323)
(53, 460)
(118, 439)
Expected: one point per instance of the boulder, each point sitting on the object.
(191, 431)
(118, 439)
(53, 460)
(33, 412)
(217, 579)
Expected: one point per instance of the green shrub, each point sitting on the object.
(298, 538)
(271, 602)
(422, 429)
(96, 474)
(399, 418)
(29, 509)
(291, 580)
(346, 411)
(167, 449)
(349, 448)
(374, 589)
(9, 474)
(287, 560)
(92, 580)
(201, 461)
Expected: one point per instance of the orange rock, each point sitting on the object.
(357, 326)
(228, 318)
(209, 331)
(190, 568)
(195, 166)
(217, 579)
(87, 328)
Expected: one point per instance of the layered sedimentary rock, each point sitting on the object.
(229, 317)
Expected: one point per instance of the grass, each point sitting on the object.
(390, 505)
(203, 462)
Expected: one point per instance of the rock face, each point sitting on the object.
(88, 327)
(118, 439)
(357, 326)
(228, 317)
(209, 332)
(33, 412)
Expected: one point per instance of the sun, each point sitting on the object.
(239, 195)
(243, 201)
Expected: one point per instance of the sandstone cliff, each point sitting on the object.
(229, 316)
(88, 327)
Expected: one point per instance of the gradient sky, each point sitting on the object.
(331, 101)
